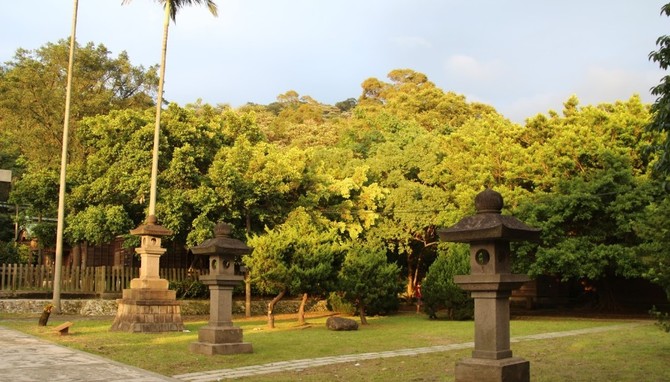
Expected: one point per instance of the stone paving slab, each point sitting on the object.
(301, 364)
(24, 358)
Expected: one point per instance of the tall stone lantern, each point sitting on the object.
(149, 306)
(491, 283)
(219, 336)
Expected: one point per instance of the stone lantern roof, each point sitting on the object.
(489, 223)
(222, 243)
(151, 228)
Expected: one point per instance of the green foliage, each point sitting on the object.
(98, 224)
(302, 255)
(257, 183)
(37, 192)
(190, 289)
(662, 319)
(653, 228)
(11, 253)
(337, 304)
(367, 279)
(661, 107)
(302, 178)
(590, 192)
(439, 290)
(45, 233)
(412, 97)
(6, 226)
(33, 84)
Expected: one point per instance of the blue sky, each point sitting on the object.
(523, 57)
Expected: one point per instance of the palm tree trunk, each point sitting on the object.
(247, 280)
(61, 193)
(159, 106)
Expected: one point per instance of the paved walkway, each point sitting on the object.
(24, 358)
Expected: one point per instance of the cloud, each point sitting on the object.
(460, 65)
(611, 84)
(525, 107)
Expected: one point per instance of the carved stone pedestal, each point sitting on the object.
(218, 340)
(148, 306)
(493, 370)
(148, 311)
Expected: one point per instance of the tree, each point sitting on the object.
(63, 165)
(34, 193)
(652, 227)
(367, 277)
(590, 193)
(32, 96)
(96, 225)
(171, 8)
(661, 107)
(438, 288)
(302, 121)
(258, 183)
(413, 98)
(117, 142)
(412, 207)
(659, 270)
(300, 256)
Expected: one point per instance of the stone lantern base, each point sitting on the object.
(490, 370)
(148, 311)
(220, 340)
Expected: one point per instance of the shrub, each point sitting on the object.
(369, 281)
(662, 319)
(438, 287)
(337, 304)
(10, 253)
(190, 289)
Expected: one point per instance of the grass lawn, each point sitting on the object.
(640, 353)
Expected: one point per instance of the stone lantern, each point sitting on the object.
(490, 283)
(219, 336)
(149, 306)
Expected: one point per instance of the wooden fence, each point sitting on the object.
(104, 279)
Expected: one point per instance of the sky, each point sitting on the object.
(523, 57)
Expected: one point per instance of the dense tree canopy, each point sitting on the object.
(661, 107)
(311, 183)
(32, 95)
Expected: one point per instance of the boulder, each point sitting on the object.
(341, 323)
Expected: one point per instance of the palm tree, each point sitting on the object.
(171, 7)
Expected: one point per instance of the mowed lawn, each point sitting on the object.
(633, 353)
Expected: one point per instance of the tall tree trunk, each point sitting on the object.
(271, 308)
(76, 255)
(415, 282)
(301, 310)
(361, 313)
(84, 254)
(410, 282)
(604, 297)
(247, 294)
(159, 107)
(60, 223)
(247, 279)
